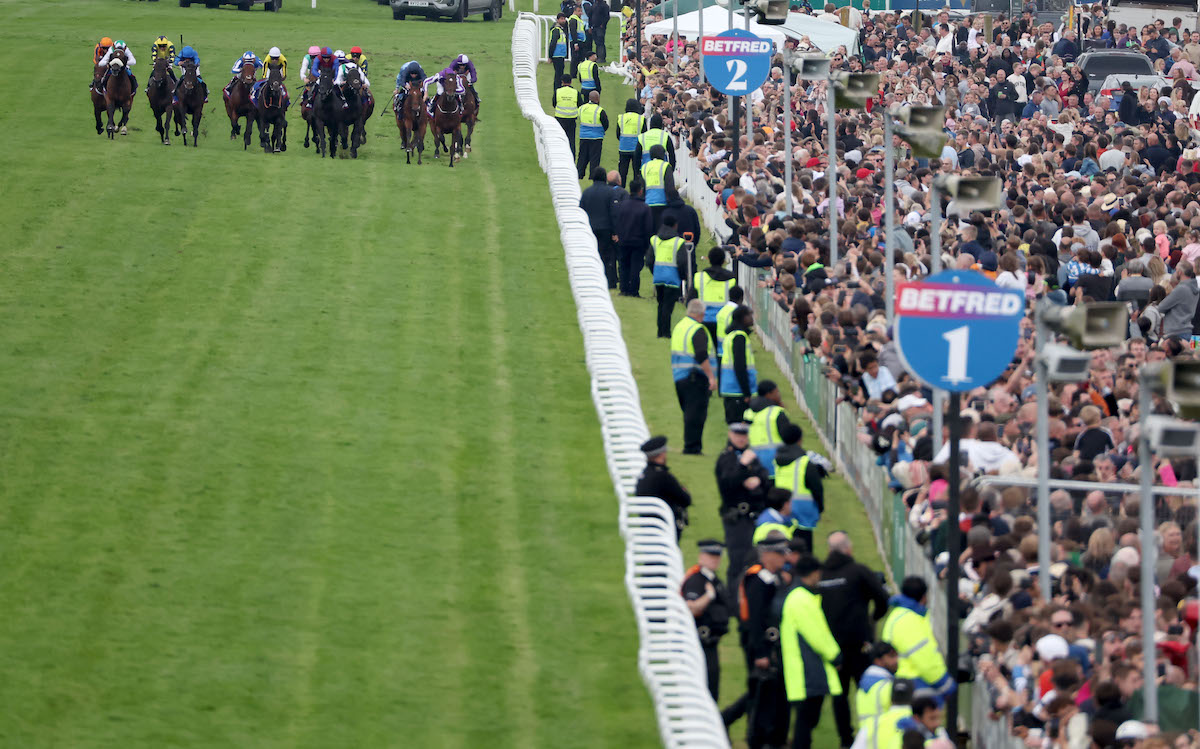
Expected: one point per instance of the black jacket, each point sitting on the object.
(658, 481)
(758, 589)
(635, 222)
(599, 15)
(847, 589)
(599, 202)
(731, 481)
(686, 218)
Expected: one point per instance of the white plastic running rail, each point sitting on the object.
(669, 657)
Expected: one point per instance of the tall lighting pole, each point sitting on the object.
(847, 91)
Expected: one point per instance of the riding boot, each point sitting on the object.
(204, 88)
(133, 82)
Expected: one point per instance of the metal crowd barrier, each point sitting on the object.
(837, 425)
(670, 660)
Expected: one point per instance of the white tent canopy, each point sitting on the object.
(824, 35)
(716, 20)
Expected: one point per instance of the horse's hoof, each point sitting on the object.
(166, 141)
(124, 131)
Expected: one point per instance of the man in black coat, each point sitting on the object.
(657, 481)
(635, 226)
(847, 589)
(599, 202)
(742, 482)
(598, 18)
(1003, 99)
(687, 221)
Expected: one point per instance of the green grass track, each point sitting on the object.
(293, 452)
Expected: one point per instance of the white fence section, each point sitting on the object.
(669, 656)
(836, 425)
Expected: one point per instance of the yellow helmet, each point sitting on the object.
(162, 41)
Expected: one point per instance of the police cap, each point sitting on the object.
(739, 427)
(710, 546)
(654, 446)
(773, 541)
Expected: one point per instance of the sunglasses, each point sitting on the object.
(1060, 625)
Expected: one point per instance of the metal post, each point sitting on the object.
(1041, 377)
(788, 59)
(831, 176)
(935, 226)
(749, 104)
(638, 11)
(939, 396)
(889, 210)
(733, 121)
(675, 38)
(1149, 554)
(700, 35)
(952, 546)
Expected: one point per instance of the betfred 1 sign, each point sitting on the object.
(957, 330)
(736, 61)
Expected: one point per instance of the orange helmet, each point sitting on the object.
(106, 42)
(356, 50)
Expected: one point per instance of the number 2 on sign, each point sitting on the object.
(956, 360)
(738, 68)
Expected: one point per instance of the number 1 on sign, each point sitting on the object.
(738, 68)
(956, 360)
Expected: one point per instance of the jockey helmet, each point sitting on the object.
(314, 50)
(119, 44)
(187, 52)
(274, 52)
(339, 53)
(356, 50)
(326, 52)
(247, 55)
(463, 59)
(162, 41)
(106, 42)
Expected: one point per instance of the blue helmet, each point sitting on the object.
(187, 52)
(248, 55)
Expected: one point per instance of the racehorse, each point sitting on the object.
(160, 92)
(189, 99)
(118, 93)
(272, 119)
(326, 114)
(352, 117)
(447, 117)
(470, 117)
(412, 120)
(238, 104)
(307, 91)
(97, 94)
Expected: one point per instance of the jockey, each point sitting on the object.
(275, 61)
(306, 64)
(326, 60)
(247, 57)
(340, 56)
(344, 70)
(119, 50)
(358, 58)
(460, 64)
(190, 54)
(101, 50)
(409, 73)
(163, 49)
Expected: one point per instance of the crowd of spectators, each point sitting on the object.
(1101, 204)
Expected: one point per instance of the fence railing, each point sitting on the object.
(670, 660)
(836, 424)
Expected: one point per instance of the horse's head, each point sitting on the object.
(354, 79)
(97, 73)
(161, 74)
(325, 83)
(187, 82)
(247, 74)
(416, 91)
(116, 64)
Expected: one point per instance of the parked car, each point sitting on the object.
(1099, 64)
(458, 10)
(271, 5)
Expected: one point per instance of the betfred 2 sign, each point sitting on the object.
(736, 61)
(957, 330)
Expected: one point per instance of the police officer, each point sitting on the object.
(759, 639)
(908, 628)
(692, 354)
(887, 732)
(558, 46)
(776, 515)
(742, 482)
(630, 126)
(874, 695)
(848, 590)
(589, 74)
(811, 656)
(766, 419)
(666, 252)
(659, 177)
(593, 123)
(567, 101)
(801, 472)
(655, 135)
(707, 599)
(739, 376)
(656, 481)
(711, 286)
(733, 298)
